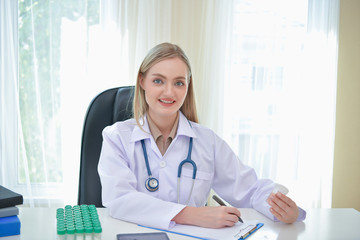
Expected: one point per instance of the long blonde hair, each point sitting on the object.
(158, 53)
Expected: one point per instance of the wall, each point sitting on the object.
(346, 181)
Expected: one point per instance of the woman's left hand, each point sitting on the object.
(283, 208)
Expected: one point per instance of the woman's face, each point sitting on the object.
(165, 85)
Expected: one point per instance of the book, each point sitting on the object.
(9, 211)
(9, 226)
(9, 198)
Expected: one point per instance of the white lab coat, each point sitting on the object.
(123, 174)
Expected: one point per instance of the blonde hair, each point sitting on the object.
(158, 53)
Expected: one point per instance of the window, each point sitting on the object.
(54, 57)
(264, 38)
(276, 117)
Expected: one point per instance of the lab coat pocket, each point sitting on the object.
(201, 188)
(199, 174)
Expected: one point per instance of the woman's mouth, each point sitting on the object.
(166, 101)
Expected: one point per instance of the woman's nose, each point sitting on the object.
(169, 89)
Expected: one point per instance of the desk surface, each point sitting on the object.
(39, 224)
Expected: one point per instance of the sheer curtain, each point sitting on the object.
(49, 57)
(280, 97)
(8, 88)
(128, 33)
(320, 80)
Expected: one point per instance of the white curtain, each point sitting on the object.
(280, 97)
(8, 90)
(128, 34)
(319, 87)
(46, 85)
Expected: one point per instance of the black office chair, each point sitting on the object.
(105, 109)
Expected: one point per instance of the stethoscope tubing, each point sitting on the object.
(187, 160)
(146, 158)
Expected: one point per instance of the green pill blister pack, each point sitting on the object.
(82, 219)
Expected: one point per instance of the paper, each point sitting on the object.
(280, 188)
(227, 233)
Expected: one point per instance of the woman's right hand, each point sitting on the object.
(210, 217)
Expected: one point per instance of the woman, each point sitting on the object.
(141, 158)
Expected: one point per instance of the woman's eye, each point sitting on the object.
(179, 84)
(157, 81)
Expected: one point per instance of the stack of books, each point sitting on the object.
(9, 221)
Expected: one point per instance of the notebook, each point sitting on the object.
(9, 226)
(9, 198)
(9, 211)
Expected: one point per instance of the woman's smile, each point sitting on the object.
(166, 101)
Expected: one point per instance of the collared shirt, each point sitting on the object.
(159, 138)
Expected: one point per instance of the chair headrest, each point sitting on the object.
(123, 104)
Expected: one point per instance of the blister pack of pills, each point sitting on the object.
(77, 221)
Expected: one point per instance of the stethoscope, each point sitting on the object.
(152, 184)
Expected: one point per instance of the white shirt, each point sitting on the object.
(123, 173)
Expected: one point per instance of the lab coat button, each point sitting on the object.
(162, 164)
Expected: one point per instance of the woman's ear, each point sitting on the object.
(141, 80)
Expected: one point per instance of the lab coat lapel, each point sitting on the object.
(139, 134)
(185, 126)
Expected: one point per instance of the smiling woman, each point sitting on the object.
(169, 74)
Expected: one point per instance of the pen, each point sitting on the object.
(218, 200)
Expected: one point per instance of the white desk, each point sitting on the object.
(327, 224)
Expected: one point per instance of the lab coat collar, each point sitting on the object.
(184, 128)
(138, 133)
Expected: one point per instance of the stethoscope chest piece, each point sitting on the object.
(152, 184)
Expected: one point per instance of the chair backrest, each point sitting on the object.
(105, 109)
